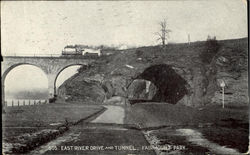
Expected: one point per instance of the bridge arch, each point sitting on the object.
(60, 71)
(171, 86)
(50, 65)
(8, 70)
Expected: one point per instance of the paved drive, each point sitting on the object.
(98, 138)
(113, 114)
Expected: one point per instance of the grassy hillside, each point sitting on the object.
(111, 75)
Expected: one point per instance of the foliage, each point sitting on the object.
(211, 48)
(82, 68)
(139, 53)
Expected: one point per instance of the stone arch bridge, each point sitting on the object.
(51, 66)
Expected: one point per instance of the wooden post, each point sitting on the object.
(23, 102)
(223, 84)
(29, 102)
(18, 103)
(188, 39)
(12, 103)
(223, 102)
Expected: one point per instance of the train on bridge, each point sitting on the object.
(73, 50)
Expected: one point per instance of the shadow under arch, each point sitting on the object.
(61, 70)
(171, 86)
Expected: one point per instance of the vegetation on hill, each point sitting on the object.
(200, 65)
(211, 48)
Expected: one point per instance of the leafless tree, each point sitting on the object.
(163, 34)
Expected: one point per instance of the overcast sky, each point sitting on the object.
(46, 27)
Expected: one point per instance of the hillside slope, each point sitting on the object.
(182, 78)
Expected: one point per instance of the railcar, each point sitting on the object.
(71, 51)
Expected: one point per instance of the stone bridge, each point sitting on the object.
(51, 66)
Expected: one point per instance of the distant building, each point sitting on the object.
(94, 51)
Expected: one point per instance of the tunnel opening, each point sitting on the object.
(171, 87)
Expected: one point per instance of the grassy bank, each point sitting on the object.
(27, 127)
(156, 115)
(227, 127)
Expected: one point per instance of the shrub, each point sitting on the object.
(139, 53)
(211, 48)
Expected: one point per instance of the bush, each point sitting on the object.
(52, 100)
(211, 48)
(82, 68)
(139, 53)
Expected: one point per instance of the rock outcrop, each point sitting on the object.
(177, 72)
(231, 66)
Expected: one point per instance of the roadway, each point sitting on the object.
(104, 135)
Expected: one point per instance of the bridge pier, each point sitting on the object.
(3, 98)
(52, 85)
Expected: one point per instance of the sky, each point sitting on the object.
(46, 27)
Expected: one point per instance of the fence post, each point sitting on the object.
(29, 102)
(12, 103)
(23, 102)
(34, 102)
(18, 103)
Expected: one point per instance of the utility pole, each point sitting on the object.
(188, 39)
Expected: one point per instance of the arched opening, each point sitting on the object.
(24, 83)
(65, 74)
(171, 87)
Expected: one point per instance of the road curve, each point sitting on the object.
(113, 114)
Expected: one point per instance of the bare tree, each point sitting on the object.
(163, 34)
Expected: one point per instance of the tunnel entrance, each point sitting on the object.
(171, 87)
